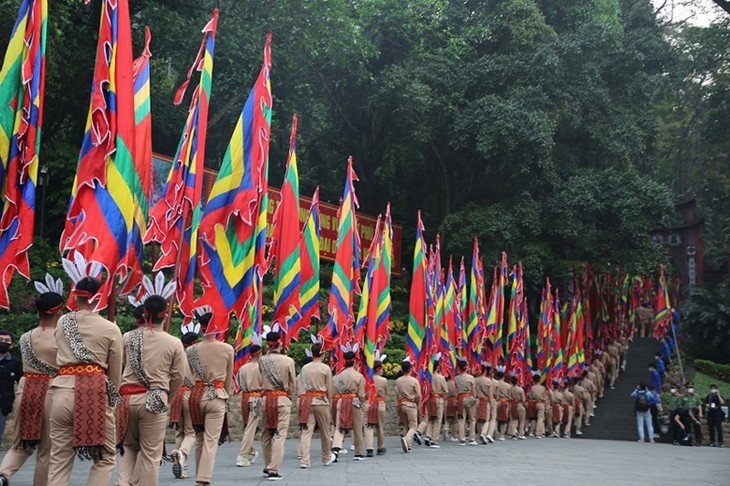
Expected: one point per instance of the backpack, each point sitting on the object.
(642, 402)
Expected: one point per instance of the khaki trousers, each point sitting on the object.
(410, 419)
(488, 423)
(206, 442)
(16, 457)
(578, 416)
(379, 430)
(249, 432)
(140, 464)
(357, 438)
(185, 433)
(322, 416)
(492, 417)
(432, 427)
(517, 424)
(540, 422)
(273, 441)
(568, 421)
(468, 423)
(62, 452)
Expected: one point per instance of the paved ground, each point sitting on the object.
(535, 462)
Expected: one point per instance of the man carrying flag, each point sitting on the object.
(408, 396)
(466, 404)
(431, 424)
(376, 408)
(250, 382)
(349, 385)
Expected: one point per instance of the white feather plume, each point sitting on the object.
(50, 285)
(134, 301)
(308, 352)
(256, 339)
(190, 327)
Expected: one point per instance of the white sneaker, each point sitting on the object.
(303, 466)
(473, 443)
(490, 438)
(566, 436)
(332, 459)
(434, 446)
(453, 439)
(242, 461)
(522, 437)
(344, 450)
(483, 438)
(578, 432)
(352, 447)
(176, 466)
(359, 458)
(404, 445)
(252, 456)
(501, 438)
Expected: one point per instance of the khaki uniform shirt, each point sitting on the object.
(408, 391)
(318, 377)
(351, 381)
(438, 385)
(539, 392)
(451, 387)
(102, 338)
(503, 389)
(484, 387)
(465, 383)
(516, 393)
(285, 367)
(44, 346)
(164, 360)
(217, 361)
(381, 389)
(249, 377)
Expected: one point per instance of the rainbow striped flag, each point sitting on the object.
(418, 297)
(233, 227)
(462, 300)
(175, 219)
(22, 91)
(515, 335)
(662, 317)
(382, 281)
(346, 272)
(544, 327)
(309, 251)
(101, 212)
(245, 332)
(556, 363)
(477, 310)
(142, 164)
(285, 248)
(448, 329)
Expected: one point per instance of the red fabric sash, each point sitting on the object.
(450, 408)
(194, 402)
(245, 408)
(271, 402)
(305, 406)
(344, 418)
(90, 402)
(566, 413)
(557, 408)
(531, 409)
(460, 404)
(30, 412)
(432, 408)
(514, 409)
(373, 411)
(483, 409)
(121, 420)
(176, 407)
(503, 410)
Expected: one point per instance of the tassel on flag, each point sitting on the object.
(22, 91)
(100, 214)
(284, 249)
(346, 272)
(175, 219)
(233, 226)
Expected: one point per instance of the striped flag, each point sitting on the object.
(142, 165)
(662, 317)
(175, 219)
(495, 320)
(309, 252)
(233, 227)
(101, 212)
(556, 360)
(285, 249)
(346, 271)
(544, 328)
(22, 91)
(462, 302)
(448, 330)
(418, 298)
(515, 336)
(477, 310)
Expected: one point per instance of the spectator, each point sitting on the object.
(692, 401)
(667, 349)
(642, 407)
(655, 407)
(11, 369)
(715, 415)
(656, 378)
(673, 404)
(659, 365)
(684, 418)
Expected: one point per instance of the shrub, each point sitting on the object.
(715, 370)
(706, 321)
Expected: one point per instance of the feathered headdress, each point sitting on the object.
(50, 285)
(349, 350)
(158, 287)
(80, 268)
(380, 358)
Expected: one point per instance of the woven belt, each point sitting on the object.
(345, 395)
(406, 400)
(465, 394)
(131, 389)
(251, 393)
(276, 393)
(437, 395)
(315, 393)
(378, 398)
(80, 369)
(37, 376)
(217, 384)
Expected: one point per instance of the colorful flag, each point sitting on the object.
(544, 328)
(556, 360)
(101, 212)
(476, 309)
(175, 219)
(515, 322)
(22, 91)
(284, 249)
(462, 304)
(662, 317)
(142, 165)
(495, 319)
(418, 298)
(309, 251)
(346, 271)
(233, 226)
(448, 329)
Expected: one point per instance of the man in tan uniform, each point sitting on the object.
(251, 385)
(466, 404)
(38, 352)
(376, 410)
(180, 415)
(579, 397)
(450, 424)
(212, 364)
(517, 409)
(349, 386)
(539, 398)
(153, 371)
(89, 358)
(485, 397)
(314, 407)
(435, 407)
(502, 395)
(568, 407)
(278, 384)
(408, 398)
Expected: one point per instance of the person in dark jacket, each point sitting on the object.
(11, 370)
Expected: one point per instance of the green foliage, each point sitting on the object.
(714, 370)
(706, 320)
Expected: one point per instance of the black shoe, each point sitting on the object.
(4, 481)
(417, 438)
(266, 472)
(273, 476)
(369, 453)
(427, 441)
(381, 451)
(336, 452)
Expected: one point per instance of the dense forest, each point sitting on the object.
(558, 131)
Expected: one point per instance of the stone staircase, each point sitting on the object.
(615, 419)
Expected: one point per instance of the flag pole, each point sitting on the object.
(176, 273)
